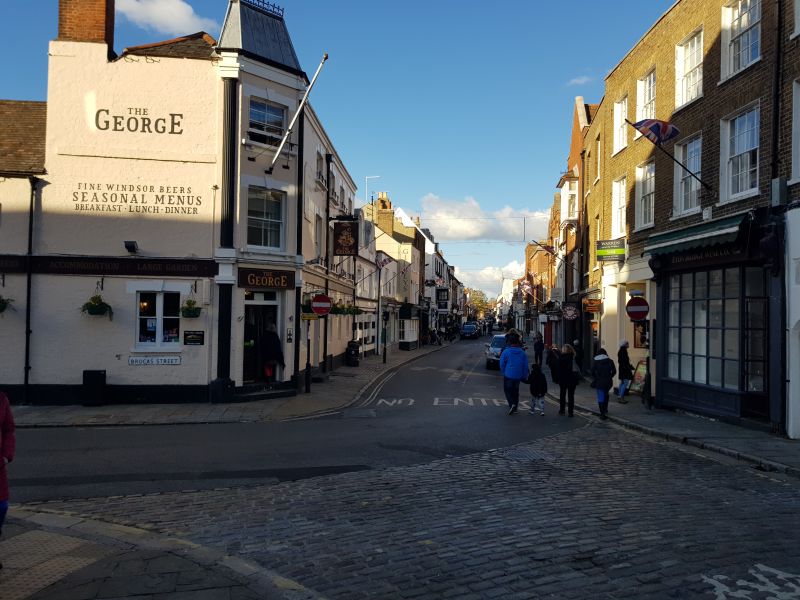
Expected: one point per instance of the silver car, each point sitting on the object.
(493, 351)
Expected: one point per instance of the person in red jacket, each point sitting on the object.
(7, 445)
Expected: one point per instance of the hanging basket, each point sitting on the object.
(190, 312)
(4, 304)
(96, 307)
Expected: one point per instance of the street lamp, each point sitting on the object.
(366, 188)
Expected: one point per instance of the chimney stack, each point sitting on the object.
(87, 21)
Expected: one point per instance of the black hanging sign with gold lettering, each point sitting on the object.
(345, 239)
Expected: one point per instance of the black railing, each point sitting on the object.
(268, 7)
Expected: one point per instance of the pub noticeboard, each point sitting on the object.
(194, 338)
(637, 385)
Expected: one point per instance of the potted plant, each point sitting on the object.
(5, 303)
(96, 306)
(189, 309)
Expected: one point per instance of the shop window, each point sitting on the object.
(401, 330)
(717, 323)
(158, 320)
(266, 122)
(265, 217)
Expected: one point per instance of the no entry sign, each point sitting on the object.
(321, 304)
(637, 308)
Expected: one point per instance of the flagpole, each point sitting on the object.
(677, 162)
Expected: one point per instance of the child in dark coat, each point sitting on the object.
(538, 383)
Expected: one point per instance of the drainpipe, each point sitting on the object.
(34, 181)
(298, 291)
(222, 386)
(328, 160)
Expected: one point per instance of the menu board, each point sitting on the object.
(637, 385)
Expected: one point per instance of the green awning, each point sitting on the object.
(702, 235)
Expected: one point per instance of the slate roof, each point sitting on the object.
(22, 136)
(253, 29)
(197, 45)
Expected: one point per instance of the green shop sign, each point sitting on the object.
(611, 249)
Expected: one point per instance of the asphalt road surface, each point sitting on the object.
(447, 405)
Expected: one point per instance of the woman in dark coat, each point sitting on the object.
(567, 372)
(552, 362)
(603, 371)
(625, 371)
(272, 353)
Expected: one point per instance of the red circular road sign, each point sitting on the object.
(321, 304)
(637, 308)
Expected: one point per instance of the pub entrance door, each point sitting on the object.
(257, 317)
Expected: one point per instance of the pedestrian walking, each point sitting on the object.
(272, 353)
(552, 362)
(576, 345)
(603, 371)
(625, 372)
(514, 366)
(7, 446)
(567, 380)
(538, 350)
(538, 383)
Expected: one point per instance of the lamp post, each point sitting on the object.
(366, 189)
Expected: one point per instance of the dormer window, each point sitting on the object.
(266, 122)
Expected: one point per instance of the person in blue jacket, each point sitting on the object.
(514, 366)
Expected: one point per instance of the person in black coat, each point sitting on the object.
(538, 383)
(625, 371)
(567, 372)
(552, 362)
(271, 353)
(538, 350)
(603, 371)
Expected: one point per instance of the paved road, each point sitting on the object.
(579, 509)
(446, 405)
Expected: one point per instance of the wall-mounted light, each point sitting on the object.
(131, 246)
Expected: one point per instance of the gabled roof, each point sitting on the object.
(197, 45)
(256, 29)
(22, 136)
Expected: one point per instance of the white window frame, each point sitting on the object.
(272, 134)
(689, 56)
(686, 151)
(645, 195)
(620, 125)
(282, 229)
(741, 23)
(599, 154)
(572, 199)
(796, 11)
(645, 98)
(729, 155)
(158, 287)
(619, 192)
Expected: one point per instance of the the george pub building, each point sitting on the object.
(149, 243)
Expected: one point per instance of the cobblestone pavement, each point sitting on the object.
(594, 513)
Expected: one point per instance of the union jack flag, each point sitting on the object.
(656, 131)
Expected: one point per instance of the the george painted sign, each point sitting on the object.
(345, 238)
(260, 279)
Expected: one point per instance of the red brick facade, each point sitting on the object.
(87, 21)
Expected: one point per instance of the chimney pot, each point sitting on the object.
(87, 21)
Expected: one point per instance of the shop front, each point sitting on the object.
(408, 327)
(718, 328)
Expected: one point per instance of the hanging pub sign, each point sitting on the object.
(345, 238)
(592, 305)
(608, 250)
(570, 311)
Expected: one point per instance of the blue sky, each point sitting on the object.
(463, 108)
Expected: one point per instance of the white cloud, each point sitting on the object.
(582, 80)
(453, 220)
(173, 17)
(490, 279)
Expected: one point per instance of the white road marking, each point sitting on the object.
(780, 585)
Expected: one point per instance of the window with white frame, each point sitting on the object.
(319, 236)
(265, 217)
(646, 101)
(796, 127)
(645, 194)
(740, 153)
(620, 126)
(618, 197)
(266, 122)
(687, 188)
(572, 200)
(689, 69)
(158, 325)
(741, 28)
(597, 150)
(320, 167)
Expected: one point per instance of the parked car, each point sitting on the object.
(469, 331)
(493, 351)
